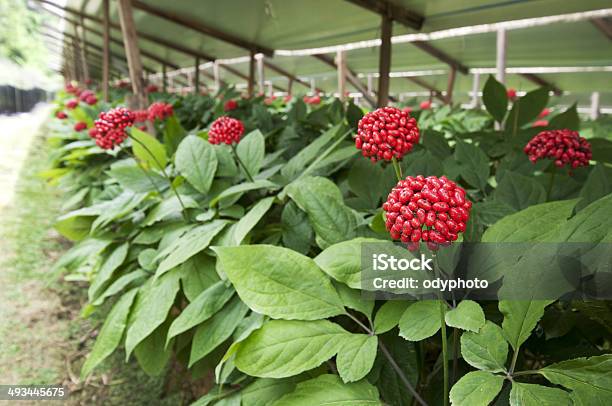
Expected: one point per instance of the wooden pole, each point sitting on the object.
(216, 76)
(384, 64)
(130, 40)
(84, 51)
(341, 69)
(475, 90)
(290, 86)
(451, 84)
(196, 77)
(260, 74)
(106, 54)
(164, 78)
(594, 114)
(251, 75)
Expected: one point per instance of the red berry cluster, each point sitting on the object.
(438, 204)
(566, 147)
(386, 133)
(88, 97)
(160, 111)
(225, 130)
(316, 99)
(152, 89)
(140, 116)
(110, 127)
(72, 103)
(80, 126)
(425, 105)
(230, 105)
(61, 115)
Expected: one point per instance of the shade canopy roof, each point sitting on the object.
(576, 52)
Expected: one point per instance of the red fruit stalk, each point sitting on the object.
(386, 133)
(225, 130)
(565, 147)
(429, 209)
(111, 125)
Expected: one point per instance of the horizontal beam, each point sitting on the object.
(604, 25)
(202, 28)
(394, 11)
(287, 74)
(542, 82)
(442, 56)
(437, 93)
(351, 76)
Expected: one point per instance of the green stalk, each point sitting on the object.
(443, 330)
(176, 193)
(244, 168)
(552, 180)
(398, 169)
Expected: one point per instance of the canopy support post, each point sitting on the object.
(84, 50)
(451, 84)
(196, 76)
(164, 78)
(251, 81)
(260, 73)
(216, 76)
(370, 87)
(501, 55)
(106, 51)
(384, 64)
(475, 90)
(130, 41)
(313, 87)
(341, 69)
(594, 105)
(290, 87)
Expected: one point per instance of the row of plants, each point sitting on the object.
(224, 234)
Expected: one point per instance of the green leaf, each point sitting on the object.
(226, 162)
(520, 318)
(152, 307)
(198, 273)
(591, 224)
(251, 151)
(321, 199)
(597, 185)
(137, 178)
(279, 282)
(435, 143)
(468, 315)
(197, 162)
(360, 179)
(307, 154)
(118, 285)
(476, 388)
(527, 108)
(264, 392)
(243, 187)
(148, 150)
(602, 150)
(526, 394)
(201, 309)
(421, 320)
(251, 219)
(283, 348)
(173, 134)
(568, 119)
(167, 208)
(189, 244)
(297, 232)
(529, 224)
(356, 357)
(342, 261)
(486, 350)
(389, 315)
(214, 331)
(495, 99)
(150, 352)
(473, 164)
(75, 228)
(352, 299)
(111, 333)
(589, 379)
(329, 390)
(391, 385)
(113, 261)
(519, 191)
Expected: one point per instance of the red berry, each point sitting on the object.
(110, 127)
(225, 130)
(151, 89)
(544, 113)
(386, 133)
(230, 105)
(511, 94)
(72, 103)
(80, 126)
(564, 147)
(425, 105)
(159, 111)
(540, 123)
(61, 115)
(413, 213)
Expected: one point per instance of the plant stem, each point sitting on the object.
(398, 169)
(443, 306)
(244, 168)
(360, 324)
(552, 180)
(455, 353)
(143, 171)
(528, 372)
(514, 359)
(401, 374)
(184, 209)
